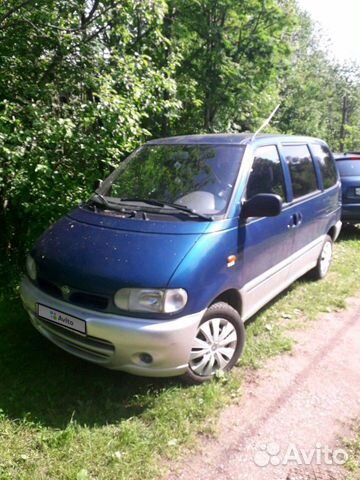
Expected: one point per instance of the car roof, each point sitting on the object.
(230, 139)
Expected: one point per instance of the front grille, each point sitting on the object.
(88, 300)
(76, 297)
(49, 287)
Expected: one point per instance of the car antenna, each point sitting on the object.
(267, 121)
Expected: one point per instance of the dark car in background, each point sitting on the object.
(348, 165)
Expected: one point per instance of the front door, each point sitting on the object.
(265, 244)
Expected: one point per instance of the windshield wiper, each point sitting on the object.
(103, 200)
(110, 206)
(176, 206)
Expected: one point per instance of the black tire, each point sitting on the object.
(324, 260)
(220, 320)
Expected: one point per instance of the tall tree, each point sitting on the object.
(231, 52)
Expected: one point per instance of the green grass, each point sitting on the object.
(353, 450)
(67, 419)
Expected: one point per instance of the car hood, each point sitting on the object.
(100, 254)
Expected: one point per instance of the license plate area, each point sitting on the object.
(357, 191)
(62, 319)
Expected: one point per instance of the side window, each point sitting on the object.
(303, 177)
(327, 164)
(266, 175)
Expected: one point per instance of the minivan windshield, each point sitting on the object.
(197, 178)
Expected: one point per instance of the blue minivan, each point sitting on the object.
(190, 236)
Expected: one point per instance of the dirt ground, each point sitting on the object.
(290, 420)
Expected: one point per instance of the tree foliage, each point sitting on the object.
(320, 97)
(77, 86)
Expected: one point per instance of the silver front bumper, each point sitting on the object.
(116, 341)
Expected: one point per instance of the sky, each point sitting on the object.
(340, 21)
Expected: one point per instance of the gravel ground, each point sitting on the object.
(289, 422)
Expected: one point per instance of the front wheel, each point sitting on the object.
(324, 260)
(218, 343)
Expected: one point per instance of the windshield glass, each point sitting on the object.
(200, 177)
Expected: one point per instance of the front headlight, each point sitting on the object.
(151, 300)
(31, 267)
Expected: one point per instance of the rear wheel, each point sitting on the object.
(324, 260)
(218, 343)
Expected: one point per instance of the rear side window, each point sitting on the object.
(266, 175)
(327, 164)
(303, 177)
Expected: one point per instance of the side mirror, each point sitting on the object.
(262, 205)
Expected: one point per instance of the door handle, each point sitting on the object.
(299, 219)
(295, 220)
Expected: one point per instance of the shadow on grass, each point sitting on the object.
(41, 383)
(349, 233)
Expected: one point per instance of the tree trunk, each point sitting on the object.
(344, 122)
